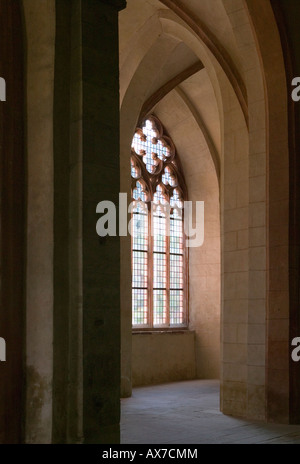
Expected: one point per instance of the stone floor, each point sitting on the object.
(188, 413)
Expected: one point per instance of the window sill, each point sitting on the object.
(174, 331)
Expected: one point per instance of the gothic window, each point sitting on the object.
(159, 290)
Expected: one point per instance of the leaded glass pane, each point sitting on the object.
(159, 307)
(159, 234)
(159, 271)
(139, 307)
(176, 236)
(176, 271)
(139, 269)
(176, 307)
(139, 230)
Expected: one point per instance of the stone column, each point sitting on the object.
(39, 18)
(99, 180)
(100, 257)
(86, 267)
(12, 220)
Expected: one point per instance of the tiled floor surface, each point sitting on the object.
(188, 413)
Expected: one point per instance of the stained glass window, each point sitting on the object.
(159, 297)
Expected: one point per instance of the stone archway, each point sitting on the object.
(253, 152)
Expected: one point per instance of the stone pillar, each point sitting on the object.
(87, 268)
(39, 18)
(100, 257)
(287, 16)
(12, 215)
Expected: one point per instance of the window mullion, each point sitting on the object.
(185, 275)
(168, 274)
(150, 270)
